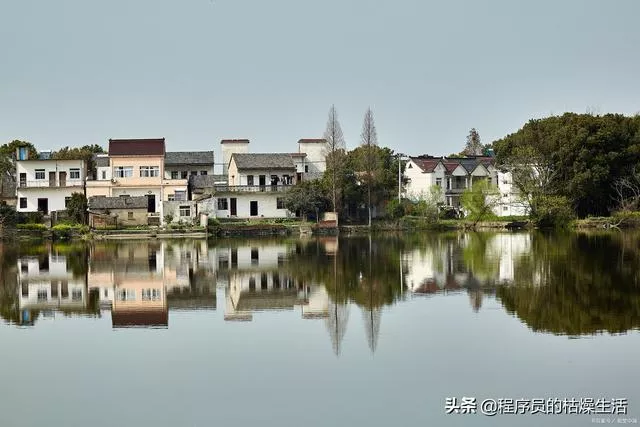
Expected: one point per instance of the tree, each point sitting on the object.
(8, 217)
(427, 204)
(86, 153)
(479, 201)
(334, 151)
(369, 140)
(77, 207)
(576, 156)
(473, 147)
(8, 155)
(307, 197)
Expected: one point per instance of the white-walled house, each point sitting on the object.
(46, 185)
(455, 175)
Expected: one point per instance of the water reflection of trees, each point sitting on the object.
(76, 258)
(360, 270)
(588, 283)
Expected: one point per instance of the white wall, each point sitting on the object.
(267, 206)
(41, 189)
(316, 159)
(511, 203)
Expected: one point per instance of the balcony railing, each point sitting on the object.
(252, 188)
(455, 190)
(43, 183)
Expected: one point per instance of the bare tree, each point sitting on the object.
(626, 192)
(334, 150)
(369, 139)
(473, 147)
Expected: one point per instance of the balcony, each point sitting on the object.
(455, 190)
(252, 188)
(43, 183)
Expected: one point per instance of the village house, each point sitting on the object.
(257, 182)
(8, 190)
(454, 175)
(183, 164)
(117, 211)
(45, 184)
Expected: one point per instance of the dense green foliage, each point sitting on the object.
(85, 152)
(77, 208)
(8, 216)
(576, 156)
(479, 201)
(308, 198)
(8, 154)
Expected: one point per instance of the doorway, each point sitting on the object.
(43, 206)
(52, 179)
(63, 179)
(151, 203)
(234, 207)
(253, 208)
(262, 181)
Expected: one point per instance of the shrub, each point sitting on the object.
(30, 217)
(31, 226)
(168, 218)
(395, 209)
(551, 212)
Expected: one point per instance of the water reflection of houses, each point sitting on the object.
(257, 280)
(472, 263)
(142, 281)
(48, 284)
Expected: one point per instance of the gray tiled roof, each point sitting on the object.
(102, 202)
(206, 181)
(263, 161)
(188, 158)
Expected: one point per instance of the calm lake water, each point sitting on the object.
(321, 332)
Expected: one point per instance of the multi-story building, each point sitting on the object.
(455, 175)
(183, 164)
(45, 184)
(257, 182)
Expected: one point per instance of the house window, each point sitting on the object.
(203, 172)
(505, 208)
(149, 171)
(74, 173)
(150, 294)
(409, 166)
(126, 295)
(76, 295)
(185, 210)
(66, 201)
(42, 295)
(23, 202)
(249, 179)
(254, 256)
(194, 173)
(174, 174)
(123, 171)
(180, 195)
(39, 173)
(223, 204)
(171, 197)
(129, 215)
(306, 168)
(104, 174)
(184, 174)
(439, 182)
(280, 203)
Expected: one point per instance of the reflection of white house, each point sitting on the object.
(454, 175)
(441, 266)
(46, 283)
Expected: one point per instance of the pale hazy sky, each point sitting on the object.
(75, 72)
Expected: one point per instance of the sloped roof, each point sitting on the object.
(188, 158)
(102, 202)
(425, 164)
(136, 147)
(206, 181)
(263, 160)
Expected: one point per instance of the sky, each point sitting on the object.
(76, 72)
